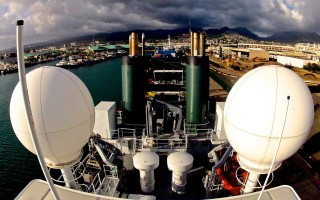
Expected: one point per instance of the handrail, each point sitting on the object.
(171, 143)
(113, 171)
(94, 183)
(134, 145)
(121, 131)
(85, 186)
(192, 128)
(79, 165)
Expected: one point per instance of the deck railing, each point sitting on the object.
(121, 132)
(95, 184)
(191, 129)
(164, 143)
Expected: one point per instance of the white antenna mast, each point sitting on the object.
(25, 96)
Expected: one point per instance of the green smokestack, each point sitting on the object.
(197, 71)
(133, 85)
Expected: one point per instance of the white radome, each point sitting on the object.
(264, 104)
(63, 114)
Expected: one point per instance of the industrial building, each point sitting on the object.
(258, 53)
(266, 47)
(294, 62)
(251, 53)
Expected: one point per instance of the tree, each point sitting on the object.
(312, 67)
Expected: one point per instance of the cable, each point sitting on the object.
(277, 150)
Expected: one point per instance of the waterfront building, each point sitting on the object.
(108, 48)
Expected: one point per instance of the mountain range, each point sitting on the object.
(295, 37)
(291, 37)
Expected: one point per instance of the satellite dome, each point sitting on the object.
(63, 114)
(266, 104)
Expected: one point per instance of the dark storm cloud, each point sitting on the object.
(311, 15)
(54, 19)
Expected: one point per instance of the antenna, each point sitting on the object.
(25, 96)
(143, 45)
(130, 48)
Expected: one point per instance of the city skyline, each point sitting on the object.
(47, 20)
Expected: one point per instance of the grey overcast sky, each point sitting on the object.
(53, 19)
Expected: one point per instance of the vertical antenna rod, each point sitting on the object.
(191, 43)
(143, 45)
(130, 48)
(26, 102)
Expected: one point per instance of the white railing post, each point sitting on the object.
(134, 145)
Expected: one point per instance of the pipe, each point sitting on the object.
(202, 45)
(134, 44)
(130, 48)
(146, 163)
(26, 102)
(195, 44)
(143, 45)
(179, 181)
(251, 182)
(191, 43)
(150, 124)
(179, 163)
(224, 158)
(147, 121)
(68, 177)
(147, 181)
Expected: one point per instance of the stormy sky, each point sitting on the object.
(53, 19)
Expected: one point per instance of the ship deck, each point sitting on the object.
(39, 190)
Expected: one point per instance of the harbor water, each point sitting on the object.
(17, 165)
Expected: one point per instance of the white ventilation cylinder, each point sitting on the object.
(179, 163)
(266, 104)
(146, 162)
(63, 114)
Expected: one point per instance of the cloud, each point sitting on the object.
(54, 19)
